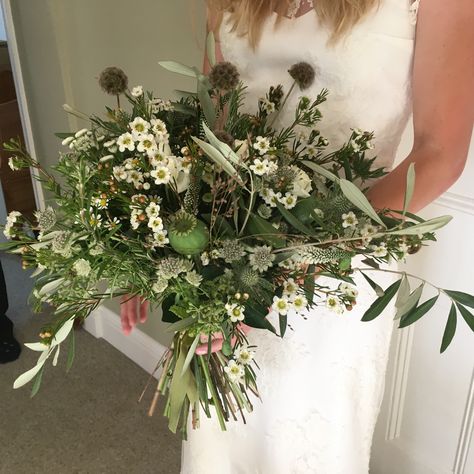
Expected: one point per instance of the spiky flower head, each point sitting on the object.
(231, 250)
(61, 244)
(225, 137)
(303, 73)
(224, 76)
(113, 80)
(171, 267)
(183, 223)
(261, 258)
(318, 255)
(46, 219)
(248, 277)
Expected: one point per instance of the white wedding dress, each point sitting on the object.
(322, 384)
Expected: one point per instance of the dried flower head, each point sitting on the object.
(46, 219)
(113, 81)
(231, 250)
(303, 73)
(224, 76)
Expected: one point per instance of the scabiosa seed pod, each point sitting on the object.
(303, 73)
(224, 76)
(225, 137)
(113, 81)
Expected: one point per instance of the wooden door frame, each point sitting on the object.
(21, 97)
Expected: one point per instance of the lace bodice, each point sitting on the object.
(368, 73)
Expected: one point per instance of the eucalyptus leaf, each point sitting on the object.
(216, 156)
(357, 197)
(410, 302)
(410, 187)
(382, 302)
(50, 287)
(462, 298)
(424, 227)
(450, 329)
(178, 68)
(416, 313)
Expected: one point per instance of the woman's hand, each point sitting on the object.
(217, 340)
(132, 310)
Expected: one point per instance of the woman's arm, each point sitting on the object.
(214, 20)
(443, 105)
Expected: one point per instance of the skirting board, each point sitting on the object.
(142, 349)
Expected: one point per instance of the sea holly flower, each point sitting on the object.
(234, 371)
(235, 312)
(46, 219)
(126, 142)
(281, 305)
(334, 304)
(243, 355)
(349, 220)
(261, 258)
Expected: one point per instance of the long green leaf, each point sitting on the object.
(216, 156)
(71, 351)
(450, 329)
(357, 197)
(211, 48)
(178, 68)
(403, 293)
(310, 284)
(467, 315)
(180, 325)
(410, 187)
(259, 227)
(320, 170)
(283, 324)
(225, 149)
(37, 382)
(409, 303)
(377, 288)
(423, 228)
(292, 220)
(206, 102)
(381, 303)
(462, 298)
(416, 313)
(190, 354)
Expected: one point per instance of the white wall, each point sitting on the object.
(3, 35)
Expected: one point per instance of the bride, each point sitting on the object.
(322, 386)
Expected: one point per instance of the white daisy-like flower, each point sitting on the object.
(243, 355)
(100, 202)
(135, 219)
(113, 223)
(260, 167)
(139, 127)
(82, 267)
(349, 220)
(261, 258)
(193, 278)
(290, 288)
(126, 142)
(289, 200)
(235, 312)
(135, 177)
(403, 247)
(120, 173)
(160, 131)
(262, 145)
(355, 146)
(380, 250)
(160, 238)
(95, 220)
(158, 159)
(161, 174)
(334, 304)
(205, 259)
(299, 303)
(137, 91)
(302, 184)
(152, 210)
(349, 290)
(267, 105)
(155, 224)
(311, 150)
(281, 305)
(270, 197)
(146, 143)
(368, 230)
(234, 371)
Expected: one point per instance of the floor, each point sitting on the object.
(84, 421)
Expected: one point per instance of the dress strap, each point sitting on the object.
(414, 11)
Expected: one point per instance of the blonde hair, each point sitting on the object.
(248, 16)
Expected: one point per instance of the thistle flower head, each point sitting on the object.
(224, 76)
(303, 73)
(113, 80)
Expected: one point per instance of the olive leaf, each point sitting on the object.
(424, 227)
(416, 313)
(450, 329)
(381, 303)
(320, 170)
(467, 315)
(205, 99)
(211, 48)
(293, 221)
(225, 149)
(461, 298)
(216, 156)
(283, 324)
(377, 288)
(410, 302)
(410, 187)
(178, 68)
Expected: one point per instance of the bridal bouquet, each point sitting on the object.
(219, 217)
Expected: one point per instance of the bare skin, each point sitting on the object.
(443, 115)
